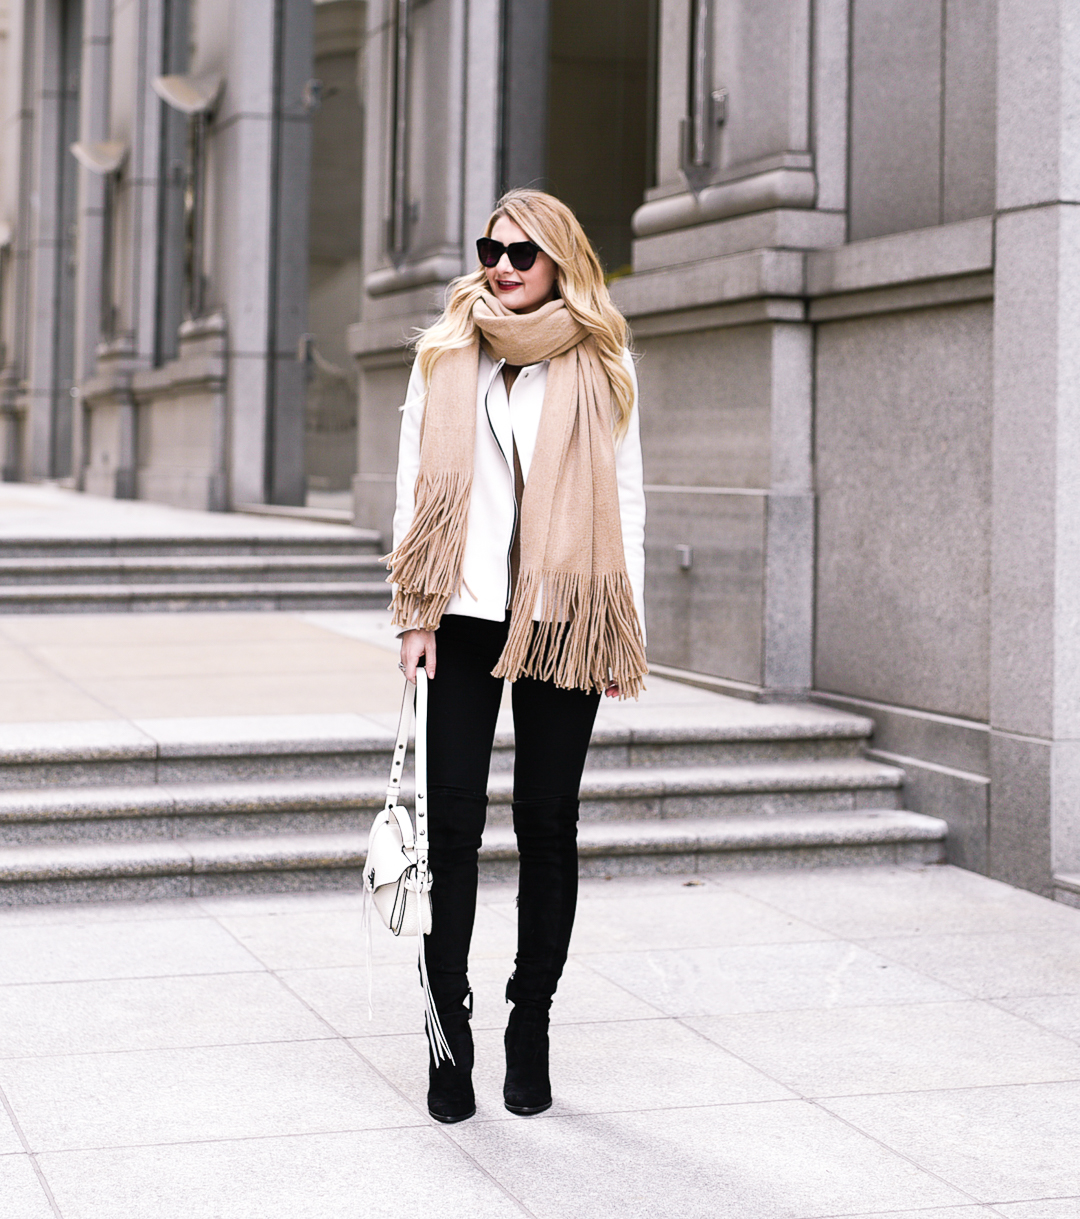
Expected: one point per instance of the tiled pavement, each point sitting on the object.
(852, 1042)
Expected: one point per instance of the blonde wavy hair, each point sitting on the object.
(549, 223)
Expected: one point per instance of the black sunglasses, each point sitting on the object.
(522, 254)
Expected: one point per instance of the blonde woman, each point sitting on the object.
(518, 555)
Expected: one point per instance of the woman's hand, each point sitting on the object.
(414, 645)
(612, 691)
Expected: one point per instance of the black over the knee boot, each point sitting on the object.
(547, 899)
(455, 828)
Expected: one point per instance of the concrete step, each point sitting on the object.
(189, 569)
(290, 806)
(260, 748)
(154, 598)
(228, 542)
(1067, 888)
(198, 867)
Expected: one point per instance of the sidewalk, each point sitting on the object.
(853, 1042)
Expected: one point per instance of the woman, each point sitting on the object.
(518, 554)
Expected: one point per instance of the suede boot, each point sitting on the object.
(547, 899)
(450, 1095)
(527, 1089)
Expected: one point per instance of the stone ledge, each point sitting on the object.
(926, 294)
(713, 281)
(963, 248)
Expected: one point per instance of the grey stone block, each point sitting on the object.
(896, 61)
(1021, 803)
(903, 456)
(710, 618)
(970, 109)
(910, 732)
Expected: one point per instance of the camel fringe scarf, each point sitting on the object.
(572, 555)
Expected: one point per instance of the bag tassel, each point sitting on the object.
(439, 1046)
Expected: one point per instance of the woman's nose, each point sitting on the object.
(504, 266)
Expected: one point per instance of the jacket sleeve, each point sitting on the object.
(628, 472)
(412, 414)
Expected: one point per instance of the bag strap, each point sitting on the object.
(397, 763)
(420, 760)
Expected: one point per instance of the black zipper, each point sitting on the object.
(509, 470)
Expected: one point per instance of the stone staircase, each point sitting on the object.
(327, 569)
(168, 808)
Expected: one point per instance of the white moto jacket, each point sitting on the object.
(502, 419)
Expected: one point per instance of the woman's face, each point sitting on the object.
(521, 291)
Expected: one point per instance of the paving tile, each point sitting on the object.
(142, 949)
(326, 1176)
(687, 917)
(340, 996)
(595, 1068)
(937, 1212)
(766, 1161)
(10, 1143)
(16, 664)
(50, 700)
(403, 1061)
(206, 693)
(888, 1049)
(124, 629)
(150, 1013)
(86, 913)
(316, 939)
(280, 903)
(21, 1193)
(767, 977)
(317, 652)
(1046, 1208)
(1007, 1144)
(1060, 1013)
(174, 1096)
(881, 901)
(1000, 965)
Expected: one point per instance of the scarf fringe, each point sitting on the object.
(588, 637)
(426, 566)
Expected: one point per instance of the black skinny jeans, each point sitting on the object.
(552, 728)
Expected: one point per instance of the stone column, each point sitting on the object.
(751, 172)
(17, 86)
(262, 159)
(93, 127)
(1035, 582)
(54, 61)
(419, 220)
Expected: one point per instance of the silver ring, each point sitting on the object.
(401, 665)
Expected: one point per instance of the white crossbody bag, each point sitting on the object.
(396, 875)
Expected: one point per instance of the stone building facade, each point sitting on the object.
(842, 231)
